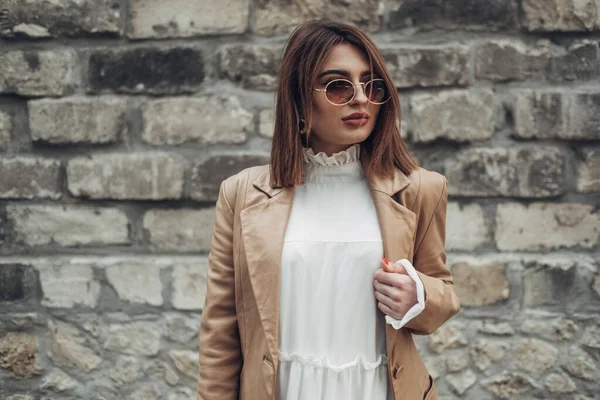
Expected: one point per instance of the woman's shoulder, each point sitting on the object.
(239, 181)
(426, 188)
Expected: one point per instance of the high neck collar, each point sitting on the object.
(343, 166)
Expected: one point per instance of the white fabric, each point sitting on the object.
(331, 333)
(417, 308)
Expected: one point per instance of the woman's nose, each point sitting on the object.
(360, 97)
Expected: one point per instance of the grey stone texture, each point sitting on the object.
(561, 15)
(556, 115)
(208, 175)
(38, 73)
(152, 70)
(205, 120)
(466, 116)
(6, 128)
(428, 66)
(183, 18)
(26, 177)
(119, 119)
(148, 176)
(36, 225)
(77, 120)
(519, 172)
(35, 19)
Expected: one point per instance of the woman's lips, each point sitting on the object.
(356, 121)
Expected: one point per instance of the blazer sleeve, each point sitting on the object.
(220, 359)
(441, 301)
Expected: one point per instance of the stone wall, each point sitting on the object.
(119, 119)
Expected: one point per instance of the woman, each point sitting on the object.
(301, 303)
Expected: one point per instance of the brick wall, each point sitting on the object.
(119, 119)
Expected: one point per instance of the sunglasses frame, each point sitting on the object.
(364, 86)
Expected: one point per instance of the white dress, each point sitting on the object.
(331, 333)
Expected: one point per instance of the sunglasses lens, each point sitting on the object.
(376, 91)
(339, 91)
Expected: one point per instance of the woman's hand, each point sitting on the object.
(395, 291)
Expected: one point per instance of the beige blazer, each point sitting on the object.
(239, 329)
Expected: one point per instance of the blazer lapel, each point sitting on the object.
(263, 230)
(396, 222)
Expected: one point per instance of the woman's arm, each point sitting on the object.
(441, 302)
(220, 352)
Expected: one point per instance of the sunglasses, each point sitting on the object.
(341, 91)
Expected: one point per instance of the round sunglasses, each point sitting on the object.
(341, 91)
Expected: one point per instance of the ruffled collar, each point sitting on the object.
(343, 166)
(348, 156)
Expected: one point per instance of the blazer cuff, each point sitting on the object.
(417, 308)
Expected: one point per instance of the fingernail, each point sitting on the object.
(385, 260)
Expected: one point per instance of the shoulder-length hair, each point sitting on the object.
(303, 56)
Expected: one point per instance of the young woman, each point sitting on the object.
(301, 303)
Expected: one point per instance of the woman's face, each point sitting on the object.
(335, 128)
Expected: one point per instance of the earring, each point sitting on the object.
(303, 127)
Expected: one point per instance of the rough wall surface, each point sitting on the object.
(119, 119)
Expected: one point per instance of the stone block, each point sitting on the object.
(448, 336)
(58, 381)
(579, 61)
(148, 176)
(189, 286)
(68, 285)
(486, 353)
(38, 73)
(68, 348)
(152, 70)
(37, 225)
(254, 66)
(126, 370)
(559, 383)
(451, 14)
(560, 329)
(185, 361)
(17, 282)
(549, 284)
(279, 18)
(138, 338)
(27, 177)
(19, 354)
(555, 115)
(588, 179)
(77, 120)
(511, 172)
(509, 60)
(480, 285)
(456, 115)
(560, 15)
(591, 337)
(182, 230)
(42, 19)
(208, 175)
(136, 282)
(461, 382)
(266, 123)
(534, 355)
(509, 385)
(427, 66)
(6, 128)
(184, 18)
(181, 328)
(546, 226)
(205, 120)
(466, 227)
(582, 365)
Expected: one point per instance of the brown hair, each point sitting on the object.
(303, 56)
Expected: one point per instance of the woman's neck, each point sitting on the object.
(329, 148)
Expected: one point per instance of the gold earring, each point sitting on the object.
(303, 127)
